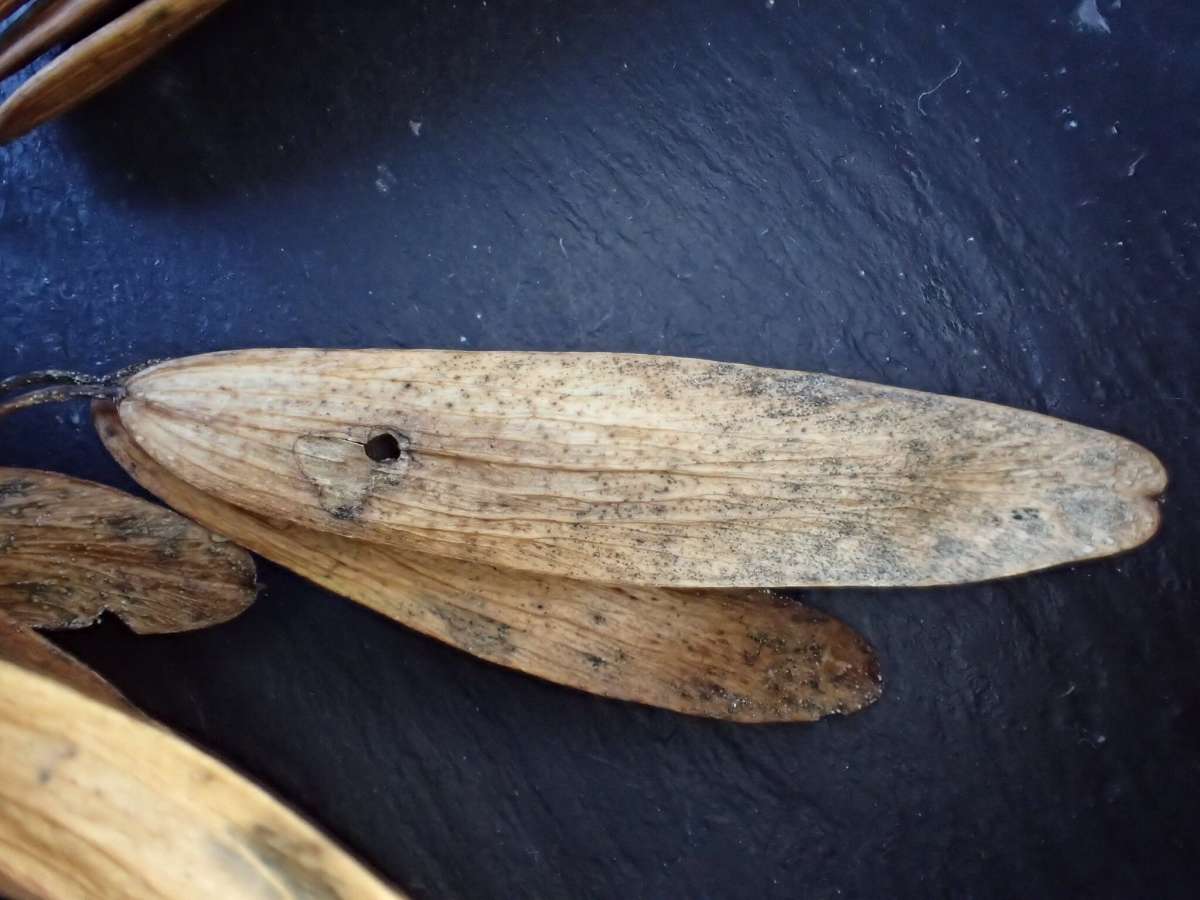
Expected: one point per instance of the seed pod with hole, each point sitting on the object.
(644, 469)
(744, 656)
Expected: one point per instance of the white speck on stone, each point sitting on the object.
(1089, 18)
(385, 179)
(1071, 125)
(415, 127)
(770, 4)
(462, 339)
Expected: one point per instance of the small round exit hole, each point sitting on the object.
(383, 447)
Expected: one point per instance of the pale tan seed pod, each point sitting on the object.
(98, 803)
(72, 549)
(644, 470)
(744, 656)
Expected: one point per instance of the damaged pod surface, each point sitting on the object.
(97, 803)
(745, 656)
(644, 469)
(72, 549)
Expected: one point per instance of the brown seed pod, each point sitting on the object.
(97, 803)
(735, 655)
(644, 470)
(71, 549)
(24, 647)
(89, 66)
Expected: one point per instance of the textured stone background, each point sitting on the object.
(775, 183)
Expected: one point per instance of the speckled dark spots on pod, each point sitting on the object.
(644, 470)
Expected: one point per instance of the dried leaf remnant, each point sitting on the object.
(72, 549)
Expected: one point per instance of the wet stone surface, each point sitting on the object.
(992, 200)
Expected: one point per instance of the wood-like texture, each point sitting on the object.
(645, 469)
(745, 656)
(45, 24)
(95, 804)
(22, 646)
(732, 180)
(71, 550)
(97, 61)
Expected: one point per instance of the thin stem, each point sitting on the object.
(60, 394)
(47, 377)
(122, 375)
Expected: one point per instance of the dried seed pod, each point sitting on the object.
(71, 549)
(99, 60)
(96, 803)
(644, 470)
(43, 24)
(736, 655)
(24, 647)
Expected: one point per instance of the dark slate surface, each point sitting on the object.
(988, 199)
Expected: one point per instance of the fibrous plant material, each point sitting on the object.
(72, 549)
(644, 469)
(22, 646)
(737, 655)
(100, 59)
(98, 803)
(41, 25)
